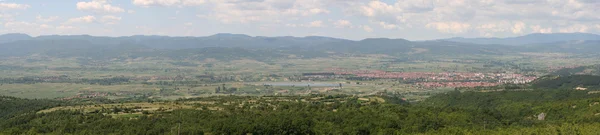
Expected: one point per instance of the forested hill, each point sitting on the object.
(570, 82)
(232, 47)
(11, 106)
(7, 38)
(507, 112)
(537, 38)
(237, 46)
(583, 70)
(574, 47)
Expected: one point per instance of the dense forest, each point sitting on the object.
(11, 106)
(568, 82)
(589, 70)
(507, 112)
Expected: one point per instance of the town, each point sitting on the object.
(428, 79)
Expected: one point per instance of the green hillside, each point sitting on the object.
(587, 70)
(507, 112)
(589, 82)
(11, 106)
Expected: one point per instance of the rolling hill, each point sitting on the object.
(237, 46)
(582, 70)
(537, 38)
(7, 38)
(568, 82)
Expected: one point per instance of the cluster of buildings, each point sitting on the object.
(146, 78)
(455, 84)
(442, 79)
(515, 78)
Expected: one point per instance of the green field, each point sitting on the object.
(239, 73)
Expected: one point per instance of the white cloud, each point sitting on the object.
(342, 24)
(308, 12)
(244, 11)
(574, 28)
(40, 18)
(411, 13)
(15, 25)
(375, 8)
(416, 6)
(314, 24)
(192, 2)
(27, 27)
(110, 20)
(449, 27)
(466, 18)
(65, 27)
(539, 29)
(291, 25)
(188, 24)
(45, 26)
(7, 17)
(518, 27)
(367, 28)
(36, 29)
(83, 19)
(491, 27)
(318, 11)
(155, 2)
(9, 6)
(148, 3)
(492, 17)
(98, 6)
(388, 26)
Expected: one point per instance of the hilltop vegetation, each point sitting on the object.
(564, 112)
(586, 70)
(568, 82)
(11, 106)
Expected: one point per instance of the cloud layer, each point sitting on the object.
(413, 19)
(98, 6)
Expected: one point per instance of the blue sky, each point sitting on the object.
(351, 19)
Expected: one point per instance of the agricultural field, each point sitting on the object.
(162, 78)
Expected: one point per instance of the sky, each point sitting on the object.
(349, 19)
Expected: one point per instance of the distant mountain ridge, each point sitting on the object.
(235, 46)
(217, 40)
(536, 38)
(6, 38)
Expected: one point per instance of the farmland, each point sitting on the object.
(157, 77)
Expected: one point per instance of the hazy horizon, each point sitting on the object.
(305, 36)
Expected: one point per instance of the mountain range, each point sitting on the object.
(537, 38)
(232, 46)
